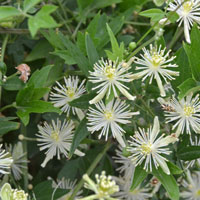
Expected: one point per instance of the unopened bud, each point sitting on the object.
(25, 72)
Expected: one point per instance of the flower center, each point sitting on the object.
(134, 192)
(146, 148)
(157, 59)
(55, 136)
(198, 193)
(110, 72)
(187, 7)
(108, 115)
(19, 195)
(70, 92)
(188, 111)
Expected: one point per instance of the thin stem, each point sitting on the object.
(137, 23)
(178, 33)
(3, 49)
(90, 169)
(6, 107)
(140, 47)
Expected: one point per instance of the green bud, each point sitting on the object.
(132, 45)
(6, 192)
(159, 2)
(125, 152)
(8, 24)
(3, 68)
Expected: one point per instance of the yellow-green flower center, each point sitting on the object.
(19, 195)
(157, 59)
(110, 72)
(70, 92)
(55, 136)
(146, 148)
(188, 111)
(134, 192)
(198, 193)
(108, 115)
(187, 7)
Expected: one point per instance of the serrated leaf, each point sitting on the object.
(83, 101)
(169, 183)
(189, 153)
(8, 11)
(42, 19)
(28, 4)
(91, 50)
(65, 55)
(139, 175)
(6, 126)
(79, 57)
(80, 134)
(154, 14)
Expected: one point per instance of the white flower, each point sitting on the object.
(19, 160)
(57, 139)
(5, 161)
(191, 163)
(154, 63)
(66, 184)
(147, 146)
(191, 187)
(185, 112)
(126, 193)
(66, 93)
(127, 167)
(189, 12)
(106, 117)
(103, 188)
(110, 77)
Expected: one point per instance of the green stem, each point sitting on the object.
(140, 47)
(3, 49)
(6, 107)
(178, 33)
(91, 168)
(137, 23)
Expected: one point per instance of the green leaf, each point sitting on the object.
(193, 52)
(186, 86)
(44, 191)
(104, 3)
(189, 153)
(139, 175)
(83, 101)
(40, 50)
(65, 55)
(36, 106)
(39, 77)
(172, 16)
(42, 19)
(6, 126)
(28, 4)
(79, 57)
(91, 50)
(185, 72)
(80, 134)
(117, 50)
(169, 183)
(174, 169)
(39, 93)
(3, 68)
(24, 95)
(8, 11)
(154, 14)
(13, 84)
